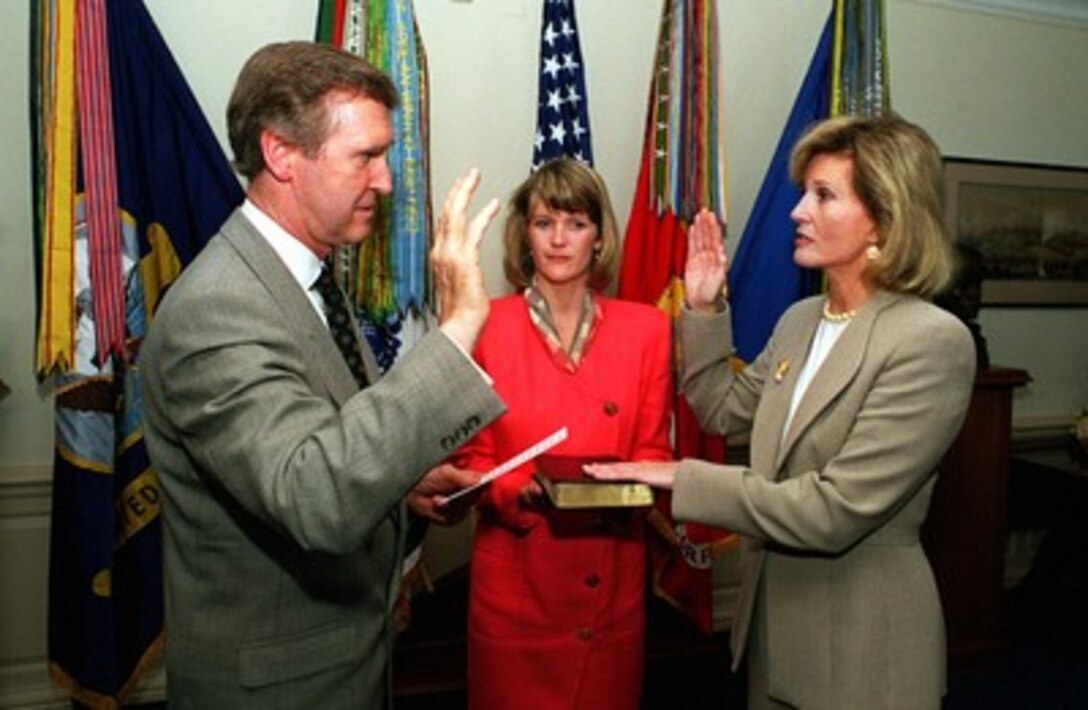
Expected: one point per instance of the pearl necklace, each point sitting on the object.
(843, 317)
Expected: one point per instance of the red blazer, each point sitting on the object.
(556, 612)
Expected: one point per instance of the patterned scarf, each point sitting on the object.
(588, 322)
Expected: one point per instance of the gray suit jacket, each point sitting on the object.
(831, 508)
(284, 484)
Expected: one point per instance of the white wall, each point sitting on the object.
(985, 85)
(992, 87)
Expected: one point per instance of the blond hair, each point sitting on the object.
(899, 179)
(571, 186)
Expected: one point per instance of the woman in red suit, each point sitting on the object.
(556, 610)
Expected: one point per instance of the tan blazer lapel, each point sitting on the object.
(835, 373)
(787, 360)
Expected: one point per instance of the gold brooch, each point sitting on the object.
(781, 370)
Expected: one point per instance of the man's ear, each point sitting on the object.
(279, 155)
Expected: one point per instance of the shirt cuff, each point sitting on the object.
(486, 377)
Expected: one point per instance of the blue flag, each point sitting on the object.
(173, 179)
(763, 279)
(174, 189)
(562, 114)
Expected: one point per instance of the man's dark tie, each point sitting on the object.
(340, 325)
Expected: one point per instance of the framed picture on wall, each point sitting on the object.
(1030, 225)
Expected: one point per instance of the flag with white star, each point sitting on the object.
(562, 118)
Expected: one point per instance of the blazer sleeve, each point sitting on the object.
(501, 500)
(479, 452)
(908, 416)
(246, 404)
(724, 402)
(655, 392)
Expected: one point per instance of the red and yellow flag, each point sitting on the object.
(682, 170)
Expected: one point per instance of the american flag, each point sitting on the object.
(562, 118)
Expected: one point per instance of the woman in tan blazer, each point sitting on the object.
(851, 406)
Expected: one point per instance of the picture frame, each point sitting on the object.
(1030, 224)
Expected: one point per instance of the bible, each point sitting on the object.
(567, 486)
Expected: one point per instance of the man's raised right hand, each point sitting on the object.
(455, 261)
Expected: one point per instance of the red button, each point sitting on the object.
(584, 634)
(593, 581)
(611, 408)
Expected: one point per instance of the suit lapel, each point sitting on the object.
(299, 315)
(836, 372)
(787, 361)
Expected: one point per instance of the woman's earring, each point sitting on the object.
(873, 252)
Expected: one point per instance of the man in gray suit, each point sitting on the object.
(285, 481)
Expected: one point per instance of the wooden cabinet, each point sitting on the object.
(964, 534)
